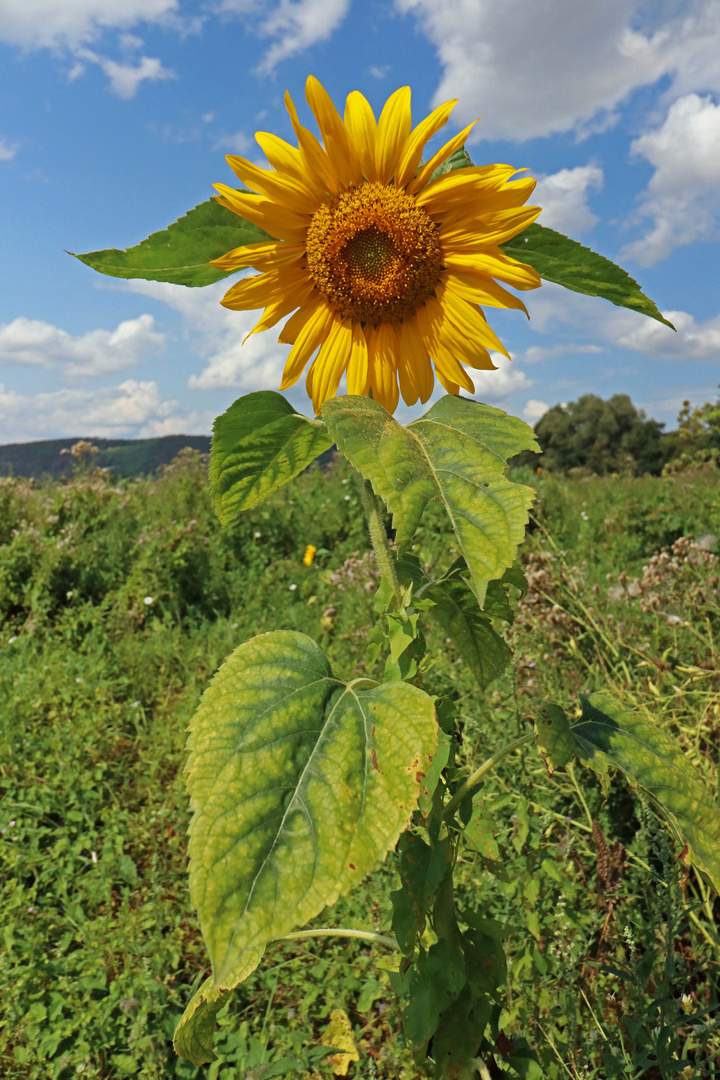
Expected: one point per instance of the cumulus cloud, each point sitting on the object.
(36, 24)
(536, 354)
(534, 409)
(535, 69)
(218, 338)
(33, 343)
(292, 25)
(131, 410)
(564, 199)
(683, 195)
(8, 150)
(496, 385)
(126, 78)
(554, 308)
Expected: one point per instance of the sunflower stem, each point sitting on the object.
(473, 780)
(381, 546)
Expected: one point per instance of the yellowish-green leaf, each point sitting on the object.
(299, 784)
(259, 444)
(456, 453)
(608, 736)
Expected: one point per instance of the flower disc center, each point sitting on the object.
(373, 253)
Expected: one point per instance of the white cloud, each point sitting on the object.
(534, 409)
(683, 195)
(132, 409)
(563, 197)
(218, 338)
(33, 343)
(496, 385)
(239, 143)
(124, 78)
(554, 307)
(36, 24)
(293, 25)
(8, 150)
(536, 354)
(534, 68)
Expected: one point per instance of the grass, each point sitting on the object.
(117, 603)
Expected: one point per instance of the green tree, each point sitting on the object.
(603, 436)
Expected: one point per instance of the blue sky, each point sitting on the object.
(117, 114)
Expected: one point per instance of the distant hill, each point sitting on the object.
(124, 457)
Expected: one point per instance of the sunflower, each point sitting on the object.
(384, 267)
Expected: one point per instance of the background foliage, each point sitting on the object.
(117, 602)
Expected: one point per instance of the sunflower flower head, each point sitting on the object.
(383, 270)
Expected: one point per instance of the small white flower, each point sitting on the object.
(69, 594)
(93, 856)
(344, 481)
(12, 823)
(257, 535)
(11, 639)
(583, 515)
(234, 626)
(292, 587)
(79, 678)
(347, 498)
(148, 600)
(673, 620)
(134, 704)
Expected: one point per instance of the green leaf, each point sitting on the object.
(193, 1037)
(459, 160)
(555, 738)
(181, 253)
(564, 261)
(258, 445)
(608, 736)
(456, 453)
(482, 649)
(298, 785)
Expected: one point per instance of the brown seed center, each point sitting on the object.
(373, 253)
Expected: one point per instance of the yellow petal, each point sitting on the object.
(415, 143)
(464, 323)
(357, 371)
(265, 255)
(382, 365)
(488, 229)
(494, 263)
(480, 290)
(281, 189)
(393, 129)
(312, 325)
(338, 146)
(324, 376)
(278, 309)
(472, 208)
(288, 159)
(262, 289)
(313, 156)
(465, 183)
(430, 318)
(450, 386)
(414, 368)
(362, 129)
(421, 178)
(278, 221)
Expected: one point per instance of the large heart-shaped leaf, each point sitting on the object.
(298, 785)
(181, 253)
(608, 736)
(456, 453)
(258, 445)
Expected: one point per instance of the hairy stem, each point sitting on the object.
(376, 525)
(342, 931)
(474, 779)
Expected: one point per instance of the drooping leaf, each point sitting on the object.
(339, 1034)
(181, 253)
(259, 444)
(193, 1038)
(566, 262)
(555, 739)
(456, 453)
(608, 736)
(481, 647)
(298, 785)
(459, 160)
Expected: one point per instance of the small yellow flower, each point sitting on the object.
(384, 268)
(309, 554)
(339, 1034)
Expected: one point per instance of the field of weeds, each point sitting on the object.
(119, 601)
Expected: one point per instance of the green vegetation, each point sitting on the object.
(118, 600)
(123, 457)
(613, 436)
